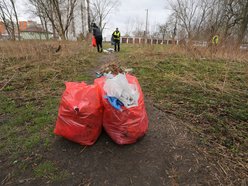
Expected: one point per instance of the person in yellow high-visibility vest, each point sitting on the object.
(117, 36)
(215, 40)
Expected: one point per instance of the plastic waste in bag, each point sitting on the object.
(80, 114)
(117, 104)
(119, 88)
(130, 124)
(112, 40)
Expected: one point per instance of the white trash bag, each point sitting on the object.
(119, 88)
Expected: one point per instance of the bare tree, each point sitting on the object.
(42, 9)
(83, 15)
(16, 17)
(214, 21)
(186, 12)
(38, 11)
(101, 9)
(138, 27)
(5, 20)
(59, 13)
(163, 30)
(88, 15)
(202, 14)
(243, 20)
(73, 26)
(129, 26)
(7, 12)
(203, 19)
(230, 17)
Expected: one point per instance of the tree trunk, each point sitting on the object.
(243, 24)
(52, 21)
(88, 12)
(17, 22)
(62, 32)
(82, 16)
(43, 24)
(46, 29)
(54, 32)
(63, 35)
(73, 27)
(100, 22)
(5, 21)
(13, 29)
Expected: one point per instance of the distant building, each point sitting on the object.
(32, 30)
(2, 27)
(23, 25)
(29, 30)
(3, 31)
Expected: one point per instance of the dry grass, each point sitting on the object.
(207, 90)
(31, 83)
(214, 53)
(18, 57)
(37, 50)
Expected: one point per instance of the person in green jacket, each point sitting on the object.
(117, 36)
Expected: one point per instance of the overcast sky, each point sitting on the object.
(135, 10)
(128, 11)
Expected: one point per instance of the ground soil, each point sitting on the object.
(165, 156)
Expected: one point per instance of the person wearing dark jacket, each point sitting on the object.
(117, 36)
(98, 35)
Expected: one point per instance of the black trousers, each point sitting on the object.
(117, 45)
(99, 43)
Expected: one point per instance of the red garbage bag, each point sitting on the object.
(80, 114)
(128, 125)
(93, 41)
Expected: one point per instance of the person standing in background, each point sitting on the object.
(117, 36)
(215, 40)
(98, 35)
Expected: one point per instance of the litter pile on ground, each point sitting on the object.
(109, 50)
(112, 68)
(115, 101)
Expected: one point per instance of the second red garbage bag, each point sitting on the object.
(80, 114)
(129, 124)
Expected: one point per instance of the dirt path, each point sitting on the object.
(167, 155)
